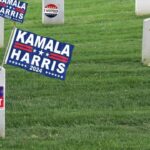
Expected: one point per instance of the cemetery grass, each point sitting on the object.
(104, 104)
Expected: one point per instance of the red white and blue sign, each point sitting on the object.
(1, 97)
(51, 10)
(14, 10)
(39, 54)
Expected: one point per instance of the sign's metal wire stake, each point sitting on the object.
(3, 62)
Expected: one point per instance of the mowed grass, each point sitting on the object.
(104, 104)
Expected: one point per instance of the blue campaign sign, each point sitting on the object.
(14, 10)
(1, 97)
(39, 54)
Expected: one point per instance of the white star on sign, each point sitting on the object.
(47, 54)
(34, 50)
(41, 52)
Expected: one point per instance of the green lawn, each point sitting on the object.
(104, 104)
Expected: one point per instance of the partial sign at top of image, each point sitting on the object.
(14, 10)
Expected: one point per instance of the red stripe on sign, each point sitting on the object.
(21, 48)
(23, 45)
(2, 4)
(1, 102)
(19, 10)
(59, 59)
(59, 56)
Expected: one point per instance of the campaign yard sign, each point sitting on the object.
(14, 10)
(1, 97)
(39, 54)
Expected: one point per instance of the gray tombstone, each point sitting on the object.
(53, 12)
(146, 42)
(2, 102)
(1, 32)
(142, 7)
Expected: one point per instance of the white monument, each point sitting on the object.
(53, 12)
(2, 102)
(1, 32)
(142, 7)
